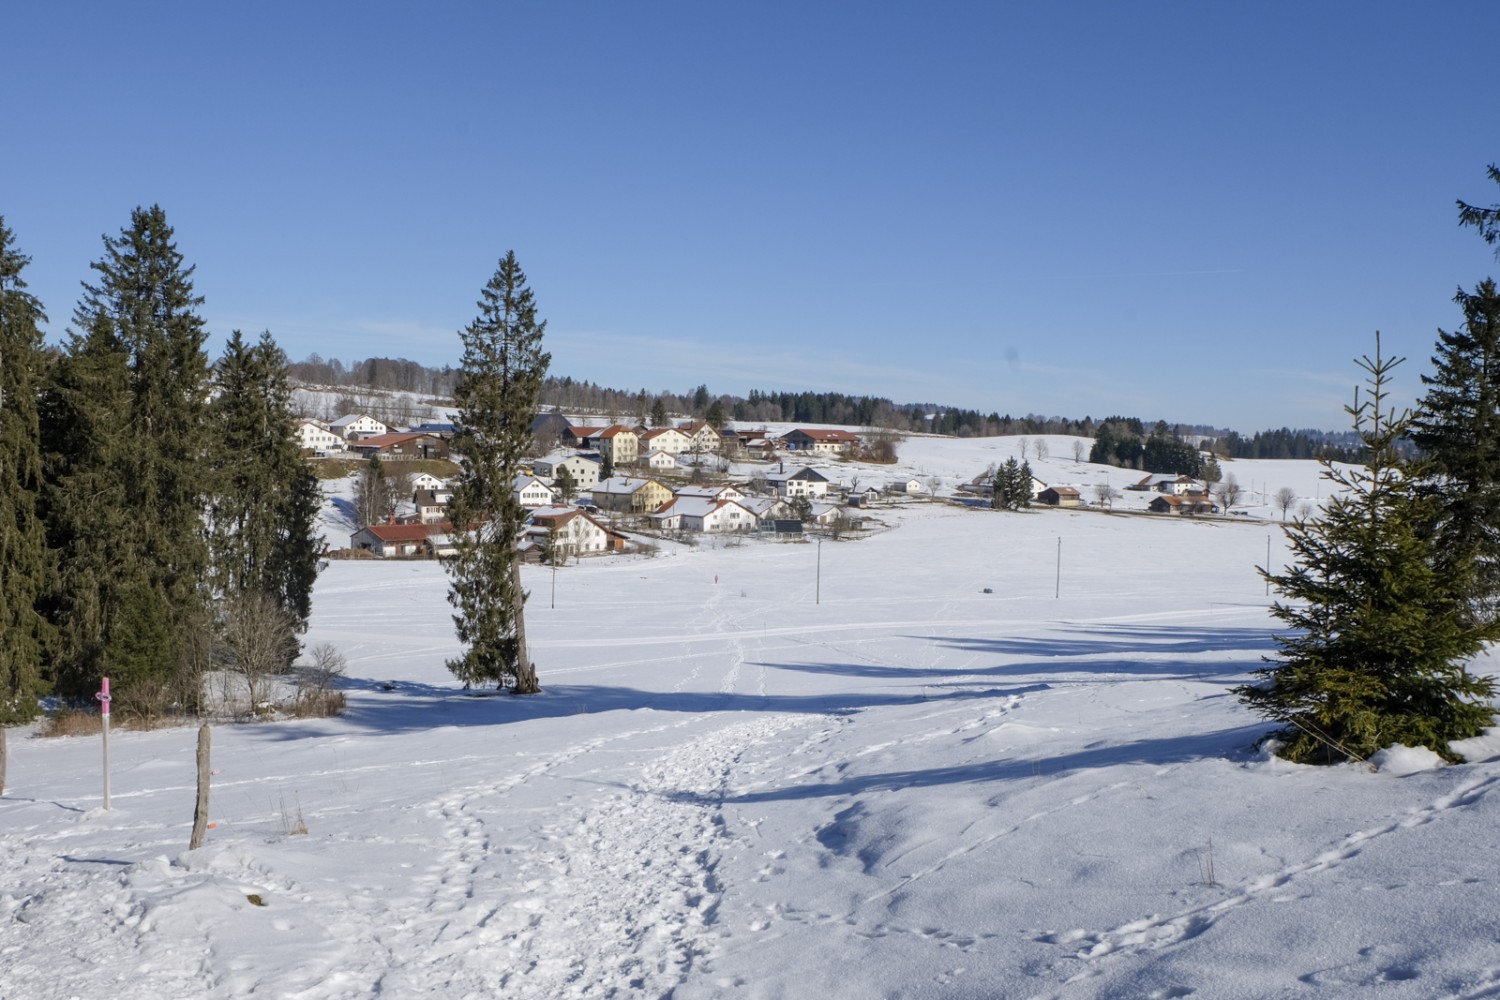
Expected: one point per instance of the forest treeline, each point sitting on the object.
(760, 406)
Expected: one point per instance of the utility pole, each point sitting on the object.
(1057, 587)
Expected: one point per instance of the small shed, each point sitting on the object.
(1060, 496)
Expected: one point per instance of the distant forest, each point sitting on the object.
(617, 406)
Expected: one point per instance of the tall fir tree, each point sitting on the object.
(1377, 637)
(125, 433)
(500, 379)
(26, 564)
(1457, 427)
(264, 506)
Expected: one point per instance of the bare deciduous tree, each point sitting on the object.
(257, 641)
(1285, 497)
(1229, 493)
(1105, 495)
(315, 685)
(1080, 450)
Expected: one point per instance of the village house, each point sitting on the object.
(549, 430)
(583, 469)
(401, 447)
(627, 495)
(565, 532)
(403, 541)
(1169, 482)
(618, 444)
(714, 515)
(659, 461)
(767, 509)
(667, 439)
(723, 491)
(755, 444)
(431, 505)
(702, 438)
(831, 441)
(357, 426)
(583, 437)
(427, 481)
(803, 482)
(314, 437)
(532, 492)
(825, 514)
(1182, 505)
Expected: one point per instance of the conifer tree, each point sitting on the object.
(499, 382)
(125, 432)
(1486, 220)
(26, 564)
(1457, 426)
(1377, 634)
(566, 485)
(265, 499)
(1012, 486)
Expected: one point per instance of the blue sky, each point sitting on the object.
(1191, 211)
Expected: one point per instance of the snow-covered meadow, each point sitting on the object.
(780, 770)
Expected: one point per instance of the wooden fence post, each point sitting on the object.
(200, 814)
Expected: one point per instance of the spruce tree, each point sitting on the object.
(500, 379)
(26, 564)
(1377, 635)
(1486, 220)
(566, 485)
(125, 432)
(1457, 426)
(1012, 486)
(262, 523)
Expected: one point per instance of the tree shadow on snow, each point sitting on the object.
(1147, 653)
(1160, 653)
(406, 707)
(1154, 752)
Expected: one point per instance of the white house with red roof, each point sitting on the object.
(568, 531)
(403, 541)
(821, 441)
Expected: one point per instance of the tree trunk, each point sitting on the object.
(2, 760)
(526, 682)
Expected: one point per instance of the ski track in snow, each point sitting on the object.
(1164, 931)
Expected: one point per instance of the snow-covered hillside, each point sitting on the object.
(981, 755)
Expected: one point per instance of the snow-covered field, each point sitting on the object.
(779, 770)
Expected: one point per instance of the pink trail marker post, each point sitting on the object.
(103, 697)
